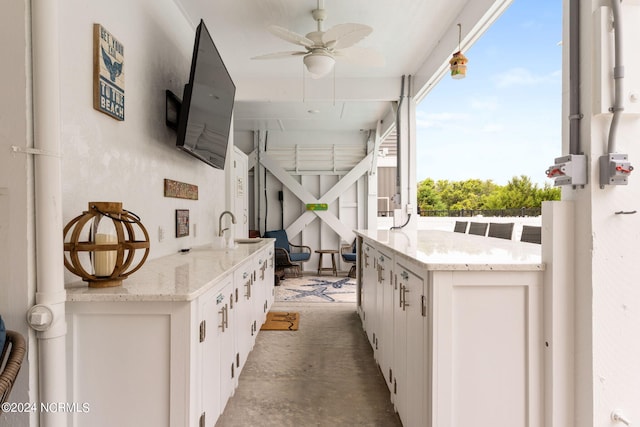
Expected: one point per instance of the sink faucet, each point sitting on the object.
(233, 221)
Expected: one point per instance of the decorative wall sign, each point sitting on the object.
(182, 222)
(317, 206)
(108, 73)
(180, 190)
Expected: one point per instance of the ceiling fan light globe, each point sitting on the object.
(319, 64)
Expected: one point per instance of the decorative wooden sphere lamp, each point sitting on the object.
(111, 245)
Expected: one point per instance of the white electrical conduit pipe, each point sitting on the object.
(48, 316)
(618, 75)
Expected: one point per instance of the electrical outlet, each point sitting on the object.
(195, 230)
(160, 234)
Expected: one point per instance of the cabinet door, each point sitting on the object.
(244, 321)
(410, 373)
(212, 331)
(368, 287)
(262, 292)
(488, 348)
(269, 277)
(226, 330)
(385, 304)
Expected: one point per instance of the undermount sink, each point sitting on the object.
(249, 240)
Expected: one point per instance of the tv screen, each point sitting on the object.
(204, 121)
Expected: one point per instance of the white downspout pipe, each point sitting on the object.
(48, 316)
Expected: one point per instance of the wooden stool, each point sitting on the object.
(333, 268)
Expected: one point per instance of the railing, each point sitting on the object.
(474, 212)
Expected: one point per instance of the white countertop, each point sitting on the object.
(446, 250)
(179, 277)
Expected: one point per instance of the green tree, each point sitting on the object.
(429, 197)
(519, 192)
(469, 194)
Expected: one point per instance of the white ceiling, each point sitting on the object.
(416, 37)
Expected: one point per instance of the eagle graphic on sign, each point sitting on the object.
(114, 68)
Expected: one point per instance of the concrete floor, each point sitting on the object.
(323, 374)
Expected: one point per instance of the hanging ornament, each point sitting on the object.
(458, 63)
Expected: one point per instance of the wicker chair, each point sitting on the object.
(286, 257)
(13, 352)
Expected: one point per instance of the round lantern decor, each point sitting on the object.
(108, 256)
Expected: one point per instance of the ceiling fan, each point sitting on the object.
(323, 47)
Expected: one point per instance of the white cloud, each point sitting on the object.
(523, 77)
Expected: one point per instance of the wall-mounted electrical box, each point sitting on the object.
(603, 39)
(614, 169)
(569, 170)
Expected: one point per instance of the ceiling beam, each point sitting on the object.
(279, 90)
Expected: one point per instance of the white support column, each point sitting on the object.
(50, 293)
(259, 182)
(607, 226)
(558, 256)
(372, 181)
(407, 158)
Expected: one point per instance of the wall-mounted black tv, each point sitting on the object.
(204, 118)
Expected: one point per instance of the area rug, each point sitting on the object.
(281, 321)
(317, 289)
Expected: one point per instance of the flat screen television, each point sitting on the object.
(204, 118)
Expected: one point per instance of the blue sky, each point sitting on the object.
(504, 118)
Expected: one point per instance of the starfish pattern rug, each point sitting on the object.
(317, 289)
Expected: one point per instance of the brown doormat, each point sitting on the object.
(281, 321)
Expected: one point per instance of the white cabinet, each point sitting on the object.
(368, 286)
(263, 293)
(215, 363)
(488, 348)
(128, 360)
(384, 311)
(458, 329)
(167, 347)
(243, 311)
(411, 375)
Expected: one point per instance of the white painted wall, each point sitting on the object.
(607, 268)
(107, 160)
(102, 159)
(317, 234)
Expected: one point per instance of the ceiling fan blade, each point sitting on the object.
(361, 56)
(342, 36)
(278, 55)
(290, 36)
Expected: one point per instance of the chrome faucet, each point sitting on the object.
(233, 221)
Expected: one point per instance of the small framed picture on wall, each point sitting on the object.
(182, 222)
